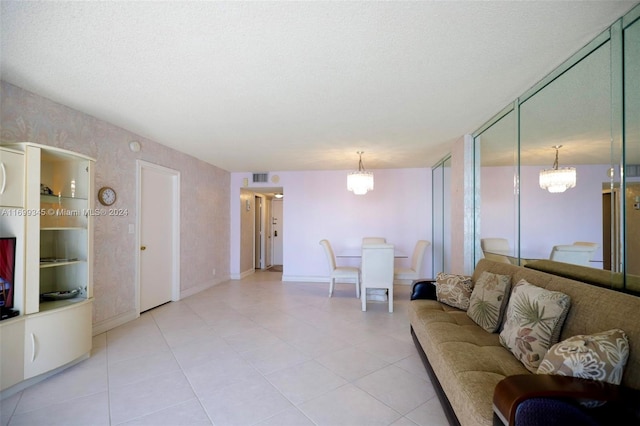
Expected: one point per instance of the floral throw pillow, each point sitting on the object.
(454, 290)
(489, 300)
(600, 356)
(533, 321)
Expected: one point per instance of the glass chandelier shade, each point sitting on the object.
(360, 182)
(558, 179)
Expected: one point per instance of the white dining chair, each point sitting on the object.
(570, 253)
(408, 275)
(496, 249)
(340, 273)
(373, 240)
(377, 271)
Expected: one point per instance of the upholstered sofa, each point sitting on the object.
(480, 382)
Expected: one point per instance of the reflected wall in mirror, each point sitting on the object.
(497, 157)
(632, 148)
(574, 111)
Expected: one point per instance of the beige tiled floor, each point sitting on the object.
(256, 351)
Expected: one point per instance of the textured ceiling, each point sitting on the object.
(262, 86)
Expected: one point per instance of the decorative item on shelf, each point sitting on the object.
(62, 295)
(360, 182)
(558, 179)
(106, 196)
(45, 190)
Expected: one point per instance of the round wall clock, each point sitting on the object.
(106, 196)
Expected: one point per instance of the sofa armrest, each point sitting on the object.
(513, 390)
(424, 289)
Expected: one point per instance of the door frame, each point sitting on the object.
(175, 226)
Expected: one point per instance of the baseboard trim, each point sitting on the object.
(197, 289)
(104, 326)
(242, 275)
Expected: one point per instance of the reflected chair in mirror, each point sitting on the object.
(377, 271)
(340, 273)
(408, 275)
(570, 253)
(588, 244)
(373, 240)
(496, 249)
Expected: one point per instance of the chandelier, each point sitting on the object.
(557, 179)
(360, 182)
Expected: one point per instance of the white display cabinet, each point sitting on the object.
(51, 219)
(11, 178)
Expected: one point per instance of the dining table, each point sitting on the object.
(356, 253)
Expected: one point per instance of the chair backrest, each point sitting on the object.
(377, 265)
(495, 245)
(595, 246)
(418, 255)
(329, 252)
(569, 253)
(373, 240)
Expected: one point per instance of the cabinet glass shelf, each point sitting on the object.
(63, 228)
(58, 262)
(46, 198)
(47, 305)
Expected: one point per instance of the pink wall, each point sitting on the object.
(317, 205)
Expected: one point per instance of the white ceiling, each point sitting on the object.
(276, 86)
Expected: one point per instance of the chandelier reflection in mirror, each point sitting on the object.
(360, 182)
(558, 179)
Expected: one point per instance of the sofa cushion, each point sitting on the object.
(454, 290)
(600, 356)
(533, 322)
(489, 300)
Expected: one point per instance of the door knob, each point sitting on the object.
(143, 247)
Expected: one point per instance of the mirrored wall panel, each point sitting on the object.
(558, 174)
(632, 154)
(496, 151)
(568, 120)
(441, 232)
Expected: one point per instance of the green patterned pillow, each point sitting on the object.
(600, 356)
(489, 300)
(533, 322)
(454, 290)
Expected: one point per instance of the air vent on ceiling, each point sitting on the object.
(632, 170)
(260, 177)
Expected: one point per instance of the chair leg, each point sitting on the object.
(390, 296)
(357, 287)
(331, 283)
(363, 298)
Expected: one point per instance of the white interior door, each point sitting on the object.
(159, 235)
(276, 229)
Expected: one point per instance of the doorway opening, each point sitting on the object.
(267, 229)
